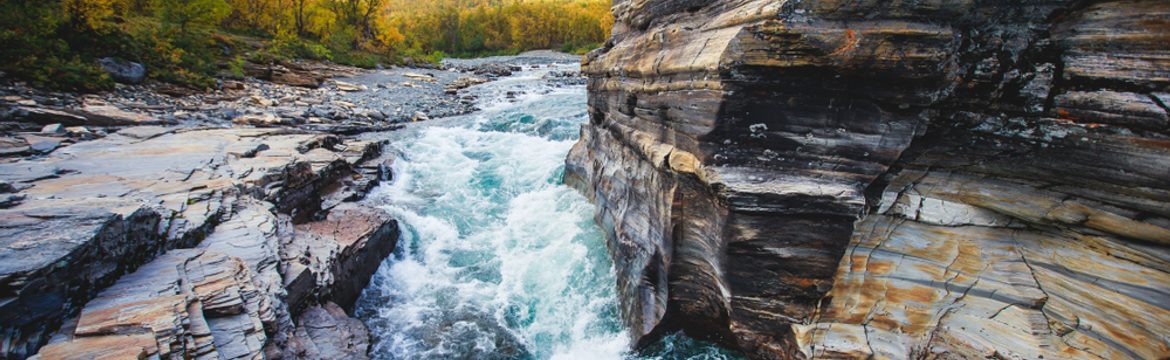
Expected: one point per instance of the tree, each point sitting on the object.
(188, 13)
(357, 16)
(299, 16)
(87, 15)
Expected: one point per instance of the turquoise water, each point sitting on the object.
(498, 259)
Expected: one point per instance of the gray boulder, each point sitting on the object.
(123, 71)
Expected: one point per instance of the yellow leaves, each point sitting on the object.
(392, 37)
(478, 26)
(87, 14)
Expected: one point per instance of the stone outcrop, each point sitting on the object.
(946, 179)
(326, 332)
(162, 243)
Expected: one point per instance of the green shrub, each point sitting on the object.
(287, 45)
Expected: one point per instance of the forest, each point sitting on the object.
(54, 43)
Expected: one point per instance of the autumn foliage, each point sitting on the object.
(55, 42)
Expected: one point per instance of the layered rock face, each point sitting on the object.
(942, 179)
(207, 243)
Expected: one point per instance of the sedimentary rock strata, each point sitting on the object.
(809, 179)
(163, 243)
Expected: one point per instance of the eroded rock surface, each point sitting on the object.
(887, 179)
(181, 236)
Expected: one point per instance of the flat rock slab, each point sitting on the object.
(91, 212)
(192, 303)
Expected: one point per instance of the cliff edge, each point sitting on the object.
(890, 179)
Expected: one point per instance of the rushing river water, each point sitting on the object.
(498, 259)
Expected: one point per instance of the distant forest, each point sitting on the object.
(54, 43)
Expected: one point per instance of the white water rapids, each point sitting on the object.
(498, 259)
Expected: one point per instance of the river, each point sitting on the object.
(498, 259)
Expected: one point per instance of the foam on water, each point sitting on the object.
(497, 258)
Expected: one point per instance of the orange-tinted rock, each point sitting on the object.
(942, 179)
(91, 213)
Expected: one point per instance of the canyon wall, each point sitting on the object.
(890, 179)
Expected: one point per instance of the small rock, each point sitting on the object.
(419, 116)
(258, 100)
(462, 83)
(53, 129)
(348, 87)
(233, 85)
(265, 119)
(13, 146)
(419, 77)
(19, 100)
(42, 144)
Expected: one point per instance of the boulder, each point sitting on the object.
(326, 332)
(123, 71)
(333, 259)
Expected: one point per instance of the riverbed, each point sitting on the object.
(499, 259)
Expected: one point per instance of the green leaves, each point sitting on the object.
(189, 13)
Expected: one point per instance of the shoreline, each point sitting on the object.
(233, 227)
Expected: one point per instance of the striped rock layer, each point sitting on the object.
(888, 179)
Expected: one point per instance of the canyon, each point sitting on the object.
(793, 179)
(886, 179)
(147, 224)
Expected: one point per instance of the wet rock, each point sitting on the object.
(123, 71)
(419, 116)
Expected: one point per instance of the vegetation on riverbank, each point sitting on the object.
(55, 43)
